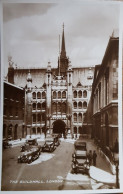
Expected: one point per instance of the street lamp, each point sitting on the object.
(116, 162)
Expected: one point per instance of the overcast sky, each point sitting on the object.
(31, 32)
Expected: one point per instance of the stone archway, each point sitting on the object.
(59, 126)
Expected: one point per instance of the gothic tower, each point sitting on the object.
(63, 60)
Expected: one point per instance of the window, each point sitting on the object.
(106, 86)
(75, 94)
(63, 94)
(75, 117)
(39, 106)
(59, 94)
(84, 104)
(54, 95)
(54, 108)
(39, 117)
(80, 117)
(34, 106)
(43, 95)
(80, 130)
(38, 130)
(75, 130)
(59, 107)
(43, 105)
(38, 95)
(80, 105)
(34, 118)
(64, 107)
(84, 94)
(34, 95)
(43, 117)
(80, 94)
(33, 130)
(75, 105)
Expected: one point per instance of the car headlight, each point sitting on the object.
(18, 157)
(29, 157)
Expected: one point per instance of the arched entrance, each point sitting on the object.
(59, 126)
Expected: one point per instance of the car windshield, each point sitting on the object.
(80, 157)
(80, 147)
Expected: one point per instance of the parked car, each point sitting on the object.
(6, 143)
(49, 145)
(32, 141)
(25, 147)
(29, 156)
(56, 139)
(80, 145)
(80, 162)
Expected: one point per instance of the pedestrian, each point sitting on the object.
(94, 157)
(90, 156)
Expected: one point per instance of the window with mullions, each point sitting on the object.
(34, 95)
(84, 94)
(63, 94)
(75, 117)
(80, 94)
(38, 95)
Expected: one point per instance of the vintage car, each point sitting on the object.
(80, 162)
(6, 143)
(49, 145)
(32, 141)
(30, 155)
(80, 145)
(25, 147)
(56, 139)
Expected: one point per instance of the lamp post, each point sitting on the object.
(116, 162)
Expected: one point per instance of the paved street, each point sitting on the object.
(51, 171)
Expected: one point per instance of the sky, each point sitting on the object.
(31, 32)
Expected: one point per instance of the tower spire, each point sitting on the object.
(63, 51)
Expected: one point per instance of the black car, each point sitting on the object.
(29, 156)
(49, 145)
(6, 143)
(80, 145)
(80, 162)
(25, 147)
(32, 141)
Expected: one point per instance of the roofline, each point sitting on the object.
(13, 85)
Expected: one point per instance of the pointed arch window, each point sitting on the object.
(80, 117)
(59, 107)
(75, 130)
(39, 106)
(84, 94)
(34, 118)
(39, 95)
(54, 107)
(84, 104)
(43, 95)
(80, 105)
(64, 107)
(59, 94)
(39, 117)
(80, 94)
(34, 95)
(75, 117)
(54, 95)
(34, 106)
(75, 94)
(43, 105)
(75, 105)
(63, 94)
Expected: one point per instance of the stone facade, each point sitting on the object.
(56, 99)
(104, 100)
